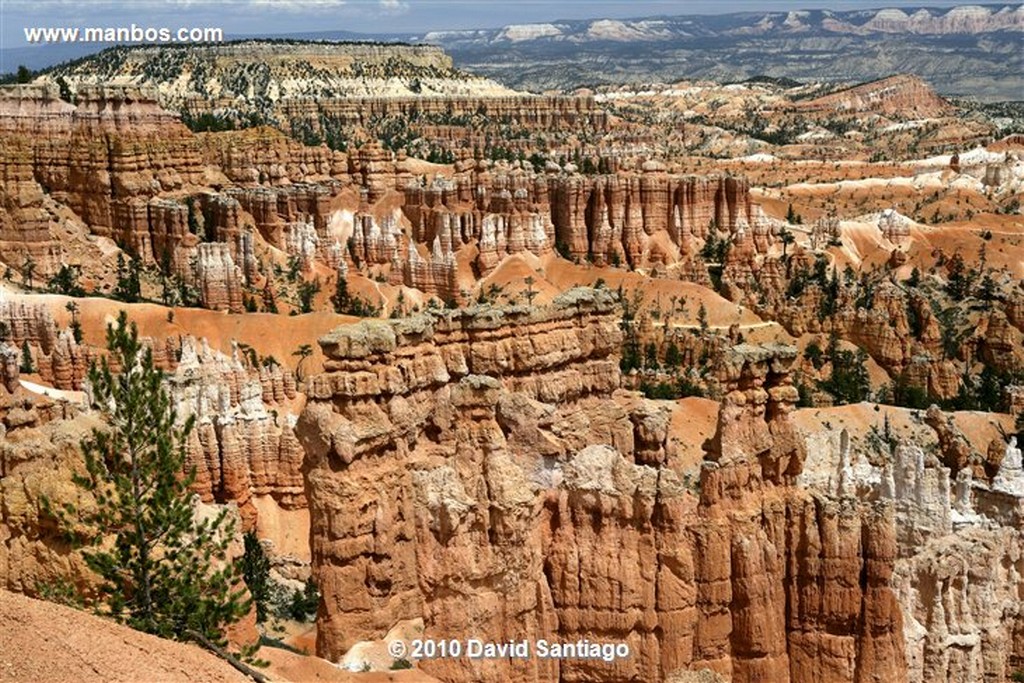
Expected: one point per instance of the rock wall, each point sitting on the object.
(57, 358)
(104, 158)
(243, 443)
(958, 569)
(118, 166)
(218, 278)
(892, 95)
(531, 112)
(481, 471)
(643, 219)
(39, 441)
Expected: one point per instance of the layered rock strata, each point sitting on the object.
(241, 446)
(480, 470)
(130, 171)
(959, 567)
(531, 112)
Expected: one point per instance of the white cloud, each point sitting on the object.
(394, 6)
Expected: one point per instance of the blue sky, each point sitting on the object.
(240, 17)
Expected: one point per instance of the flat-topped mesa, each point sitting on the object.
(268, 156)
(255, 77)
(29, 114)
(278, 210)
(401, 405)
(338, 54)
(57, 358)
(31, 323)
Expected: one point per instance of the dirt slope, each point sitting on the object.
(44, 642)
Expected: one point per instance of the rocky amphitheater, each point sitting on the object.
(581, 375)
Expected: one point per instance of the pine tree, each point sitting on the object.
(129, 280)
(531, 293)
(957, 283)
(303, 352)
(651, 356)
(673, 356)
(787, 239)
(26, 367)
(165, 572)
(76, 325)
(915, 278)
(28, 271)
(256, 572)
(791, 215)
(308, 290)
(65, 90)
(66, 282)
(341, 299)
(850, 381)
(166, 291)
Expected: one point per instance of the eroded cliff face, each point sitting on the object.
(958, 567)
(481, 470)
(59, 360)
(104, 159)
(643, 218)
(216, 210)
(39, 451)
(242, 445)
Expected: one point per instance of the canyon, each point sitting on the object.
(690, 368)
(505, 485)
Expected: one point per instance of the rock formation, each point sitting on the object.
(150, 191)
(892, 95)
(505, 487)
(239, 447)
(104, 158)
(218, 278)
(38, 450)
(57, 358)
(1010, 477)
(959, 565)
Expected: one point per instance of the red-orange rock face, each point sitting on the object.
(480, 470)
(118, 166)
(239, 447)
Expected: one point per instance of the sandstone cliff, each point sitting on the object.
(503, 486)
(242, 445)
(211, 208)
(894, 95)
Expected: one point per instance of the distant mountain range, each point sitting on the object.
(968, 50)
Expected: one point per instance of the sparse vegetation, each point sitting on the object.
(256, 572)
(167, 572)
